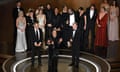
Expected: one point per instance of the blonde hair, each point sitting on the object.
(20, 13)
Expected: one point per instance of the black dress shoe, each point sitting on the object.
(32, 65)
(71, 64)
(76, 65)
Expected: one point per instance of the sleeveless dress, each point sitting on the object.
(21, 44)
(101, 32)
(113, 26)
(41, 25)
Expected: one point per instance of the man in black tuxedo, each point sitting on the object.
(66, 34)
(91, 14)
(17, 9)
(30, 21)
(71, 17)
(48, 26)
(37, 39)
(76, 37)
(56, 19)
(15, 15)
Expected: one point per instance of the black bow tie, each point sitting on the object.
(74, 30)
(71, 13)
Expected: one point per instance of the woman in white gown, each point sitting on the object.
(41, 19)
(113, 27)
(21, 44)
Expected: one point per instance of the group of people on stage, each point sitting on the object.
(85, 30)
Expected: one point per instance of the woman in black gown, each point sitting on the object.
(81, 20)
(64, 16)
(30, 21)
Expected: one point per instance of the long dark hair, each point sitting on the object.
(115, 3)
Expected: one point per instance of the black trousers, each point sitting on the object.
(75, 56)
(36, 51)
(28, 38)
(52, 59)
(48, 32)
(14, 36)
(92, 39)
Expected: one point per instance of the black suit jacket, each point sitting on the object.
(56, 21)
(15, 13)
(77, 39)
(89, 20)
(30, 21)
(49, 14)
(34, 38)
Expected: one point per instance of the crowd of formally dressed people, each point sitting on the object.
(51, 29)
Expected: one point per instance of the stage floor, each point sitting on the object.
(88, 63)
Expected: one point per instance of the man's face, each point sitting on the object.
(48, 6)
(74, 26)
(70, 11)
(92, 8)
(31, 13)
(54, 32)
(19, 4)
(36, 25)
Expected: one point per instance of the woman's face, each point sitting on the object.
(114, 3)
(105, 1)
(56, 10)
(21, 14)
(65, 8)
(102, 10)
(36, 12)
(80, 11)
(42, 7)
(40, 11)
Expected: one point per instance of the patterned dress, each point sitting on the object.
(101, 32)
(113, 26)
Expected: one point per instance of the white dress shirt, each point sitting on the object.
(72, 19)
(91, 14)
(18, 9)
(37, 30)
(73, 35)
